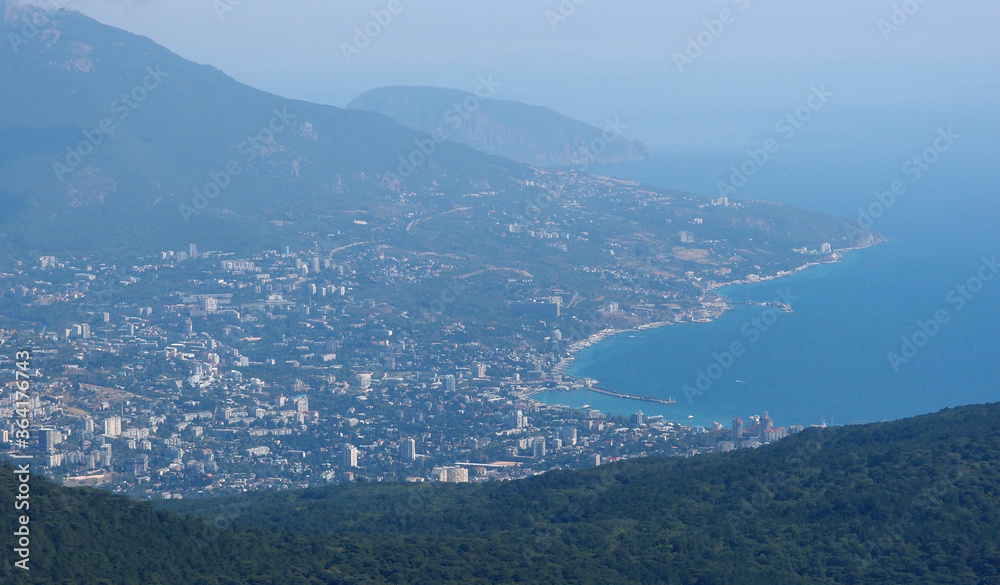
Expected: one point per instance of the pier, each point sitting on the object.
(783, 306)
(632, 396)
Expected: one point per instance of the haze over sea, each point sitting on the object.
(828, 361)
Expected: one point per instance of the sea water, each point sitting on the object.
(907, 327)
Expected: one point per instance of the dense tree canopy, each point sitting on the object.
(903, 502)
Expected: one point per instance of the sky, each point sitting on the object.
(636, 60)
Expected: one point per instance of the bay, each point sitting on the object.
(829, 361)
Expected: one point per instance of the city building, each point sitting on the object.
(106, 455)
(113, 426)
(766, 423)
(539, 447)
(409, 450)
(349, 457)
(48, 439)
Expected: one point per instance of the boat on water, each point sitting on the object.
(690, 416)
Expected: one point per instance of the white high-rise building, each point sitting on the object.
(113, 426)
(349, 457)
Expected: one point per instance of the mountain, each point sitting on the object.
(108, 130)
(111, 144)
(532, 135)
(114, 148)
(916, 500)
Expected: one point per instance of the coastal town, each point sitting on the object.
(206, 373)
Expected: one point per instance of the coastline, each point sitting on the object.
(558, 371)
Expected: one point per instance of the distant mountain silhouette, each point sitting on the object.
(532, 135)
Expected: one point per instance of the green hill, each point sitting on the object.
(912, 501)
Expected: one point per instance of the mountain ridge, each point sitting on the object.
(154, 152)
(534, 135)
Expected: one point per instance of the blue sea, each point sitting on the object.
(929, 294)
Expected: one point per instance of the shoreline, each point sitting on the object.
(559, 369)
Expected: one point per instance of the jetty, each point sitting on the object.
(632, 396)
(783, 306)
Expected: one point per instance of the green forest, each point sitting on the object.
(911, 501)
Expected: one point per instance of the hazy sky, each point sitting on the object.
(597, 58)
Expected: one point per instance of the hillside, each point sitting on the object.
(532, 135)
(916, 500)
(113, 146)
(108, 130)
